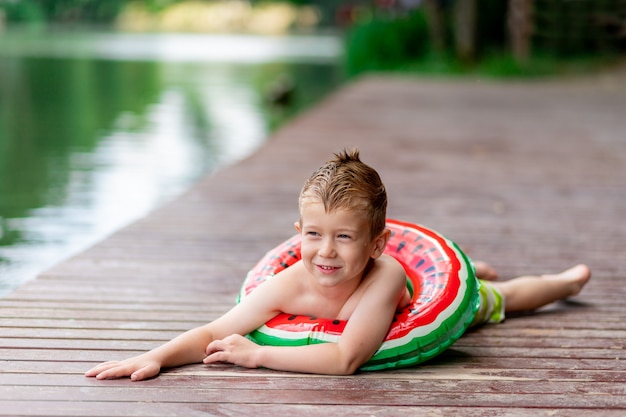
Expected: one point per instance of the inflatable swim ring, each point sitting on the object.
(444, 299)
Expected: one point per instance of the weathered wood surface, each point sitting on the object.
(529, 176)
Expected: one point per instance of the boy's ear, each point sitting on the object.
(297, 226)
(380, 243)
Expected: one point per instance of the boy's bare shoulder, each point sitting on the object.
(391, 279)
(282, 286)
(387, 268)
(390, 263)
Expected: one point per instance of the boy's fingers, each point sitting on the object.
(115, 372)
(216, 356)
(108, 374)
(136, 370)
(143, 373)
(214, 346)
(99, 368)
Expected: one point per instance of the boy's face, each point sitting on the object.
(336, 246)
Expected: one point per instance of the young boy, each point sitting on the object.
(343, 274)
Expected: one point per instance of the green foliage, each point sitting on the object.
(155, 6)
(403, 45)
(80, 10)
(384, 42)
(71, 11)
(22, 11)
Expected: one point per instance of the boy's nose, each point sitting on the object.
(327, 249)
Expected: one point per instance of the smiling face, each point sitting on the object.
(336, 246)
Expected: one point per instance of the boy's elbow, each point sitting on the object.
(349, 365)
(351, 368)
(348, 358)
(344, 370)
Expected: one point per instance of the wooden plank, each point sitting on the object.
(563, 366)
(136, 340)
(121, 409)
(64, 349)
(71, 344)
(68, 323)
(521, 339)
(61, 312)
(567, 398)
(114, 306)
(466, 380)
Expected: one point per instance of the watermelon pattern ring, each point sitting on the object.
(444, 299)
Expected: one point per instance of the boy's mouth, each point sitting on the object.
(326, 268)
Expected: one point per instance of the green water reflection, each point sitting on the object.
(52, 109)
(88, 144)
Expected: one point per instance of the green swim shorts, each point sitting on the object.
(491, 308)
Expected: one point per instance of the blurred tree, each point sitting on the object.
(465, 30)
(435, 13)
(520, 28)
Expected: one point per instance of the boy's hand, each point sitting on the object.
(234, 349)
(137, 368)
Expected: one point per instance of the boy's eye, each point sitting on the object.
(343, 236)
(312, 233)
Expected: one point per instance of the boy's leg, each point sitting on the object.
(531, 292)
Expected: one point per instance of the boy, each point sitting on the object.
(343, 274)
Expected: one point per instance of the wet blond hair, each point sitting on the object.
(347, 183)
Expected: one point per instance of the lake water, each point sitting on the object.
(97, 129)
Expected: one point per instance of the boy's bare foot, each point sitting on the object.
(577, 276)
(485, 271)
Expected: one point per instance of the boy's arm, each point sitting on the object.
(364, 332)
(190, 346)
(184, 349)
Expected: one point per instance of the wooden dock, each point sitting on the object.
(528, 176)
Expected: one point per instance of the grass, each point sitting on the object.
(503, 65)
(497, 66)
